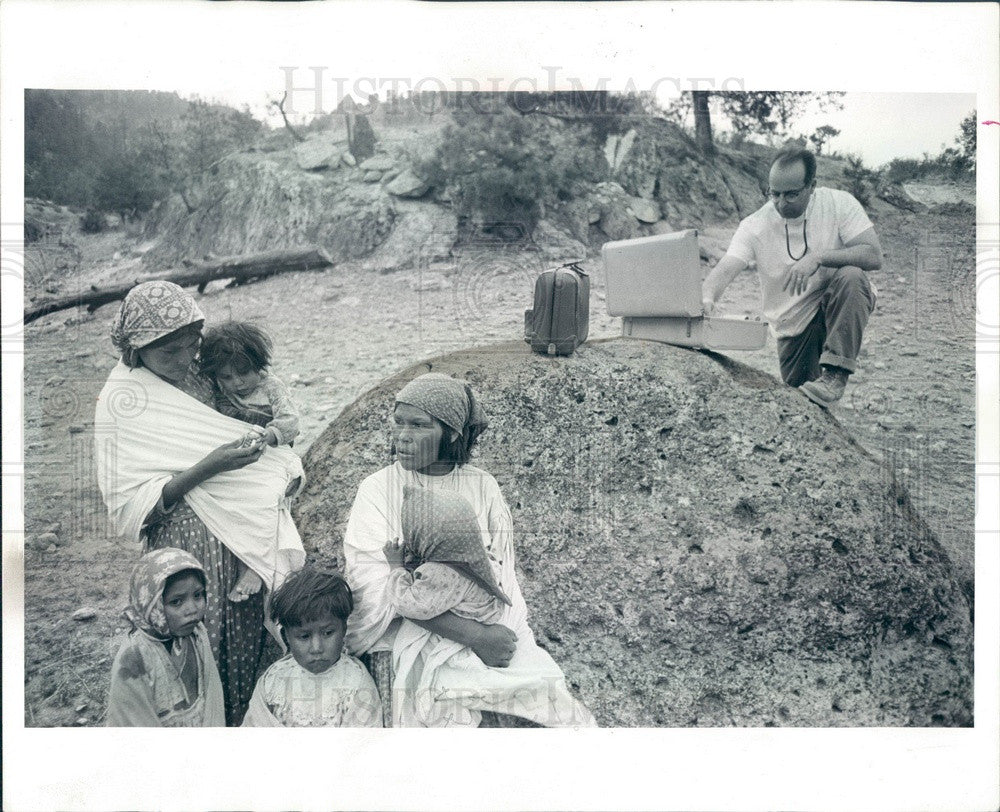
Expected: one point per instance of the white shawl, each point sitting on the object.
(146, 431)
(437, 681)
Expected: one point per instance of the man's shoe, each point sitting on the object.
(828, 388)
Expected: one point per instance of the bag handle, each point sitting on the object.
(574, 265)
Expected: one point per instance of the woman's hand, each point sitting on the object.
(228, 457)
(494, 645)
(232, 456)
(393, 553)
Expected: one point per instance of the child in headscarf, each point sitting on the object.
(317, 684)
(164, 674)
(441, 567)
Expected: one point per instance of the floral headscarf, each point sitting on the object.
(448, 400)
(441, 526)
(152, 310)
(145, 595)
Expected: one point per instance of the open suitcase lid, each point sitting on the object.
(654, 276)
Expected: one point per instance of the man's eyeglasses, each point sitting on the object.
(791, 196)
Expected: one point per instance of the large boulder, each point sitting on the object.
(255, 204)
(422, 235)
(697, 543)
(645, 211)
(407, 184)
(318, 153)
(616, 221)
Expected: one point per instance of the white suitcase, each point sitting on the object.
(710, 333)
(654, 283)
(654, 276)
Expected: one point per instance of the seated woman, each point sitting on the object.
(168, 482)
(436, 422)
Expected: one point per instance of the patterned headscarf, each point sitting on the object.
(442, 526)
(145, 594)
(152, 310)
(448, 400)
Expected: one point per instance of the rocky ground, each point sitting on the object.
(340, 332)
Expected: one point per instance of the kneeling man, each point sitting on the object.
(812, 247)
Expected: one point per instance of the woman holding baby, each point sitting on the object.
(174, 472)
(446, 632)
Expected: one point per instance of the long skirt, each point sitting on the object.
(235, 630)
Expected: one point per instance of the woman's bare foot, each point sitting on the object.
(249, 583)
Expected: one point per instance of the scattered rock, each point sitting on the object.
(348, 160)
(81, 707)
(85, 613)
(377, 163)
(556, 244)
(45, 539)
(371, 176)
(616, 221)
(82, 721)
(317, 153)
(645, 211)
(407, 184)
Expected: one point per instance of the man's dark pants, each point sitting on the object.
(833, 337)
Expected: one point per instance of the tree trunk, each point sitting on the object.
(702, 123)
(241, 268)
(288, 125)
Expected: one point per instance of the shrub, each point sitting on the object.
(861, 181)
(92, 222)
(507, 167)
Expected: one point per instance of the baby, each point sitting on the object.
(444, 567)
(236, 355)
(317, 684)
(447, 568)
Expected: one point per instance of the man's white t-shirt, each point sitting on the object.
(831, 219)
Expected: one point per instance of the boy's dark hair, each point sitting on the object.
(790, 155)
(235, 343)
(172, 579)
(309, 594)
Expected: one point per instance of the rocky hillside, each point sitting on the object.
(697, 544)
(284, 194)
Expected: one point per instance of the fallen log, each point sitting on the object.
(241, 269)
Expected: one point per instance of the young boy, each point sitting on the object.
(317, 684)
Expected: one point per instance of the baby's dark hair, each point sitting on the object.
(235, 343)
(309, 594)
(172, 579)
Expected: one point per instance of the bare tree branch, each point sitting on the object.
(288, 125)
